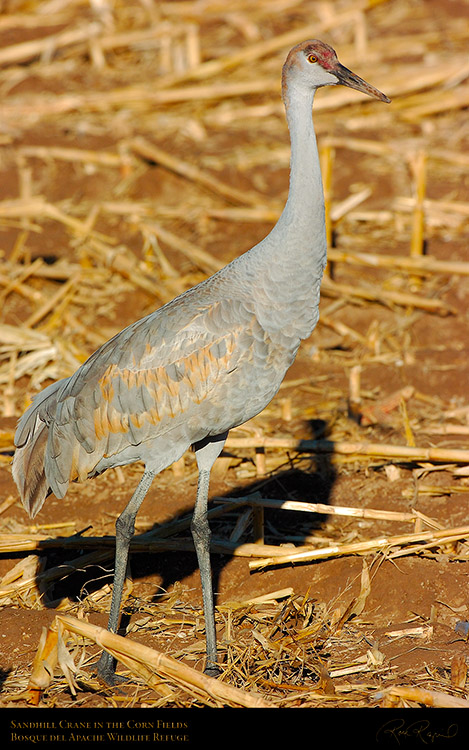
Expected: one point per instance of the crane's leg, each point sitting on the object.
(125, 527)
(206, 452)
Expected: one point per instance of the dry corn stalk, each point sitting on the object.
(421, 264)
(153, 153)
(434, 698)
(265, 47)
(322, 508)
(24, 51)
(435, 538)
(44, 663)
(143, 661)
(418, 223)
(384, 296)
(356, 449)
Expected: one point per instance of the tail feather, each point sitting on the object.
(30, 455)
(28, 470)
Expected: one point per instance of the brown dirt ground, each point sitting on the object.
(399, 346)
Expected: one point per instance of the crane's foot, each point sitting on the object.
(212, 669)
(106, 670)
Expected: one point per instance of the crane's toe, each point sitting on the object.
(107, 672)
(212, 670)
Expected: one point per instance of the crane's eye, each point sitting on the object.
(312, 58)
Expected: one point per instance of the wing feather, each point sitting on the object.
(153, 376)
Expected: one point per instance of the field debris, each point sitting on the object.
(143, 146)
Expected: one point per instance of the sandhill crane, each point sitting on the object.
(205, 362)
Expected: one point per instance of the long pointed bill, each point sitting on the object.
(347, 78)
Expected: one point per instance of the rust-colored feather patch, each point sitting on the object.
(171, 388)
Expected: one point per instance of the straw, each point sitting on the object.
(155, 154)
(436, 537)
(141, 150)
(357, 449)
(145, 662)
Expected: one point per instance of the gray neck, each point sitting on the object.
(286, 268)
(303, 215)
(293, 255)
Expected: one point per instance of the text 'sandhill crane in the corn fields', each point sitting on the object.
(205, 362)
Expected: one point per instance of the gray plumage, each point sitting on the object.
(205, 362)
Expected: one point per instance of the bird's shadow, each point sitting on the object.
(305, 477)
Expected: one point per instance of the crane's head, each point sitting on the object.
(315, 64)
